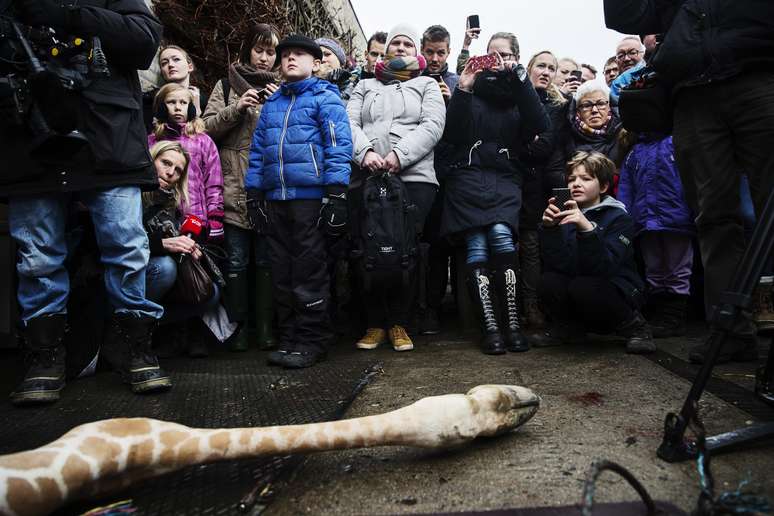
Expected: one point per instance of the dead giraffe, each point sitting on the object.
(106, 456)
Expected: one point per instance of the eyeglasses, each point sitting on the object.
(375, 54)
(601, 105)
(629, 53)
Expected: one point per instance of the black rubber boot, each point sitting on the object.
(480, 291)
(506, 276)
(127, 347)
(671, 313)
(45, 353)
(264, 309)
(236, 308)
(638, 334)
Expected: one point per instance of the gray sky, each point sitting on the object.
(574, 28)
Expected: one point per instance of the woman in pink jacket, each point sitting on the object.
(176, 120)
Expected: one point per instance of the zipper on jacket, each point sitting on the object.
(333, 132)
(281, 142)
(314, 160)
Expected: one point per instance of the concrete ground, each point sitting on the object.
(597, 402)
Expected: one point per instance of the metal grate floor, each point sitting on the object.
(224, 390)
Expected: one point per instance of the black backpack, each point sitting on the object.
(386, 236)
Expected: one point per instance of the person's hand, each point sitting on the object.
(180, 245)
(373, 162)
(43, 12)
(468, 78)
(334, 214)
(249, 99)
(573, 215)
(551, 217)
(392, 163)
(470, 35)
(269, 91)
(197, 96)
(256, 211)
(570, 86)
(445, 91)
(196, 254)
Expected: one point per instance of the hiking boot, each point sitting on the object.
(506, 276)
(668, 319)
(399, 339)
(300, 359)
(373, 338)
(738, 348)
(430, 324)
(639, 338)
(480, 292)
(533, 316)
(127, 347)
(763, 304)
(45, 377)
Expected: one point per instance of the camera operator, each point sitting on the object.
(717, 55)
(105, 173)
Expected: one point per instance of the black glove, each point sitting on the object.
(49, 13)
(256, 211)
(334, 216)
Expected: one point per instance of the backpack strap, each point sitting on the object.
(226, 90)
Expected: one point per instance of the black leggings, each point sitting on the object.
(591, 301)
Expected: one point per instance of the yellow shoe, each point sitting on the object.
(372, 339)
(400, 339)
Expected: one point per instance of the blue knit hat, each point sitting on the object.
(334, 47)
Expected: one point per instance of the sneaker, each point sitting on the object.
(639, 337)
(277, 357)
(430, 325)
(302, 359)
(399, 339)
(738, 348)
(372, 339)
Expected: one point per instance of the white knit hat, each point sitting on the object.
(404, 29)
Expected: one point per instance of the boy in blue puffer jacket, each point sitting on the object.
(296, 187)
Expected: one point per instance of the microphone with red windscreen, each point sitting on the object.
(192, 226)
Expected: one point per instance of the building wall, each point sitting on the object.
(346, 16)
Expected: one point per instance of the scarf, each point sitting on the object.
(400, 69)
(242, 77)
(584, 128)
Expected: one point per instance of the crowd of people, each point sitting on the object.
(522, 178)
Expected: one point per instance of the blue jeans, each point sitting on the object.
(497, 238)
(37, 225)
(238, 243)
(160, 278)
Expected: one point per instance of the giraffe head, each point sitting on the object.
(504, 407)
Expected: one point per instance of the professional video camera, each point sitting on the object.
(39, 70)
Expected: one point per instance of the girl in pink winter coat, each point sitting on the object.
(176, 120)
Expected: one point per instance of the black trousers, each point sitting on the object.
(298, 253)
(590, 301)
(721, 130)
(440, 255)
(388, 302)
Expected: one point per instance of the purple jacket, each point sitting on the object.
(205, 179)
(651, 189)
